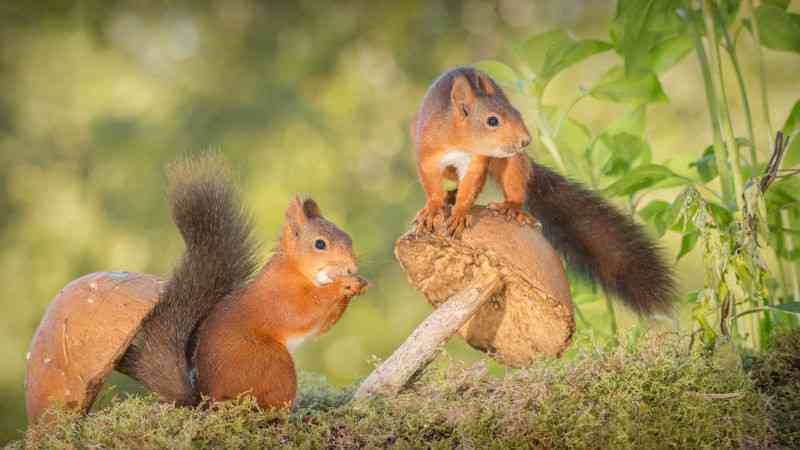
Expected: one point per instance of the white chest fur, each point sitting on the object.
(457, 159)
(296, 341)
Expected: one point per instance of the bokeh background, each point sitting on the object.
(97, 97)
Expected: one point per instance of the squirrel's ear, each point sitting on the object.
(486, 84)
(295, 212)
(311, 209)
(462, 94)
(295, 218)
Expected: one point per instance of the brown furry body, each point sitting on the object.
(456, 138)
(214, 314)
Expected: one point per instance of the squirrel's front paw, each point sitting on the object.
(458, 222)
(353, 285)
(427, 217)
(514, 211)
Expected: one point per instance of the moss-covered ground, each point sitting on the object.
(651, 394)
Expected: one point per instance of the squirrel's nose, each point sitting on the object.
(525, 141)
(352, 269)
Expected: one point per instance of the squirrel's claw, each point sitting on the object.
(427, 216)
(514, 212)
(458, 222)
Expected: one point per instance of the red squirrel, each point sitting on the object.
(467, 128)
(220, 329)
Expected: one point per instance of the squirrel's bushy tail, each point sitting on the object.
(219, 260)
(600, 242)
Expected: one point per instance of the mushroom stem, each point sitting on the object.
(427, 339)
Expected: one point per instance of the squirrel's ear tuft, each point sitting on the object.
(311, 209)
(486, 84)
(462, 94)
(295, 213)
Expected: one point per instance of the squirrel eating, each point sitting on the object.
(467, 128)
(219, 328)
(219, 331)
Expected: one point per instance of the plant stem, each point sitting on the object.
(789, 240)
(762, 74)
(565, 113)
(546, 136)
(612, 315)
(728, 192)
(730, 46)
(726, 182)
(746, 105)
(723, 111)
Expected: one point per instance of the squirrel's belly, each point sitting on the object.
(457, 159)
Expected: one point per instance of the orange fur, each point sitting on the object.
(453, 117)
(454, 138)
(242, 345)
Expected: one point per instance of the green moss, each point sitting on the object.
(649, 395)
(777, 374)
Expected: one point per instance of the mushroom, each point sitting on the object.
(501, 286)
(83, 335)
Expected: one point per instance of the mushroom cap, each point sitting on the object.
(84, 333)
(530, 316)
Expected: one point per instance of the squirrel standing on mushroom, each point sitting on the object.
(466, 128)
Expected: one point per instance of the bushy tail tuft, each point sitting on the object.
(219, 260)
(600, 242)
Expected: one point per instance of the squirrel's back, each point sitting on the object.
(219, 260)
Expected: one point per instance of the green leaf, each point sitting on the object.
(641, 177)
(549, 53)
(569, 52)
(679, 209)
(624, 150)
(533, 51)
(782, 4)
(792, 308)
(792, 157)
(780, 30)
(642, 26)
(656, 212)
(654, 208)
(504, 75)
(730, 9)
(707, 165)
(783, 192)
(669, 52)
(688, 242)
(632, 122)
(613, 86)
(793, 120)
(573, 136)
(790, 127)
(721, 215)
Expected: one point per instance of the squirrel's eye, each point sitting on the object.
(319, 244)
(493, 121)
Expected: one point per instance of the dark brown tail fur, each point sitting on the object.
(219, 261)
(600, 242)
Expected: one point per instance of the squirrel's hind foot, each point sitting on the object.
(514, 212)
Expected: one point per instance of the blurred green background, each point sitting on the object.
(96, 98)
